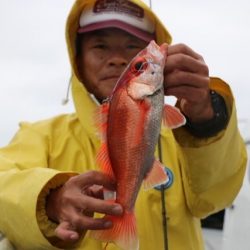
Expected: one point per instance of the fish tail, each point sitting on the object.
(123, 233)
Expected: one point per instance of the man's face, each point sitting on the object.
(104, 55)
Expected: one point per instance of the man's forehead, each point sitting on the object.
(111, 32)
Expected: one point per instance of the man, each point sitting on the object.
(50, 188)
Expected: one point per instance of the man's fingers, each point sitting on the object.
(182, 78)
(189, 93)
(65, 232)
(82, 223)
(71, 230)
(185, 63)
(182, 58)
(90, 204)
(95, 177)
(183, 49)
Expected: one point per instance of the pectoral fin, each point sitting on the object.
(172, 117)
(156, 176)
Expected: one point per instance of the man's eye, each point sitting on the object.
(133, 46)
(100, 46)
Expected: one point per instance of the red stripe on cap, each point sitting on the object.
(146, 36)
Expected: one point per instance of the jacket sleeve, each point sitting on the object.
(213, 168)
(24, 173)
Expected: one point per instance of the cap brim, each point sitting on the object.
(146, 36)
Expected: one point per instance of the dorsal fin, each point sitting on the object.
(102, 157)
(101, 120)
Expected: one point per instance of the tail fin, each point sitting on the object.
(123, 233)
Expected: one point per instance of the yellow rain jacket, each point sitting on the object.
(207, 173)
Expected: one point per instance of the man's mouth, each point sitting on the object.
(112, 77)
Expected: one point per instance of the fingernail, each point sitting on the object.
(108, 224)
(73, 236)
(117, 210)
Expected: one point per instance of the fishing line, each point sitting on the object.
(66, 99)
(163, 204)
(106, 246)
(150, 4)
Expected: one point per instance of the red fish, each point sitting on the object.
(132, 121)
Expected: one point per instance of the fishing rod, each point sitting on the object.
(163, 203)
(162, 189)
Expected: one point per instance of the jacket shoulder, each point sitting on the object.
(56, 124)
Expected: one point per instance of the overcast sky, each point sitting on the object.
(34, 68)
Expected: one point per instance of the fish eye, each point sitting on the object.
(139, 65)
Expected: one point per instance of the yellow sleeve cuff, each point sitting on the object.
(47, 226)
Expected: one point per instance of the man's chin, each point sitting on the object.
(102, 97)
(110, 83)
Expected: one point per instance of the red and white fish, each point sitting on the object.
(132, 122)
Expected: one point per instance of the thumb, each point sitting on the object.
(183, 103)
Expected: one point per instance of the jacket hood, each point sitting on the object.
(84, 103)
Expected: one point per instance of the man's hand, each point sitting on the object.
(73, 205)
(187, 78)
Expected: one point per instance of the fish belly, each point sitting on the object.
(133, 130)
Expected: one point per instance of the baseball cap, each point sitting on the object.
(121, 14)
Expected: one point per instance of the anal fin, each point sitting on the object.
(103, 160)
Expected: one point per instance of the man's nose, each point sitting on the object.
(118, 58)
